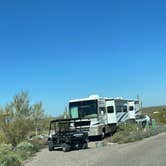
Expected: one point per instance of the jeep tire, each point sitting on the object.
(66, 147)
(50, 146)
(85, 145)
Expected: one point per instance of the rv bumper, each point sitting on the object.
(95, 131)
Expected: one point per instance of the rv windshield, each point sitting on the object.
(83, 109)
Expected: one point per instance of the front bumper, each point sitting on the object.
(95, 131)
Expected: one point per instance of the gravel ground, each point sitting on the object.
(148, 152)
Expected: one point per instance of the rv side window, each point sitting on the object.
(110, 109)
(131, 108)
(119, 109)
(102, 110)
(125, 109)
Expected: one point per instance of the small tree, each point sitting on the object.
(17, 121)
(19, 118)
(38, 116)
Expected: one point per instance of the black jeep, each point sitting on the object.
(64, 133)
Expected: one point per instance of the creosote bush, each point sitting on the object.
(157, 113)
(8, 157)
(131, 133)
(2, 138)
(18, 119)
(38, 144)
(24, 150)
(13, 156)
(25, 146)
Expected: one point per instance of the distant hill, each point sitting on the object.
(158, 113)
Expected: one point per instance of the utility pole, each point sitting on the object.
(140, 102)
(65, 113)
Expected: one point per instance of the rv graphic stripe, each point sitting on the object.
(122, 117)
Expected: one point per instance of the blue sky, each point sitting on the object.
(59, 50)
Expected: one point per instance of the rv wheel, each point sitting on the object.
(101, 137)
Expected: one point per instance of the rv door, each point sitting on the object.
(131, 110)
(111, 113)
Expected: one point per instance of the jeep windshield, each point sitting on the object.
(83, 109)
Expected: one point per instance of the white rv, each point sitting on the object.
(103, 113)
(124, 110)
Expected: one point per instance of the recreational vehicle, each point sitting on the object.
(103, 113)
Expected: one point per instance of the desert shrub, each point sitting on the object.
(127, 133)
(38, 144)
(128, 126)
(8, 157)
(24, 150)
(124, 133)
(2, 138)
(19, 118)
(162, 128)
(157, 113)
(5, 148)
(25, 146)
(117, 137)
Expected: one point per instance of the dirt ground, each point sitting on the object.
(148, 152)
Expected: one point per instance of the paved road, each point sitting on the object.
(148, 152)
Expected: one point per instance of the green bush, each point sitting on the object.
(5, 148)
(38, 144)
(128, 133)
(25, 146)
(157, 113)
(24, 150)
(2, 138)
(8, 157)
